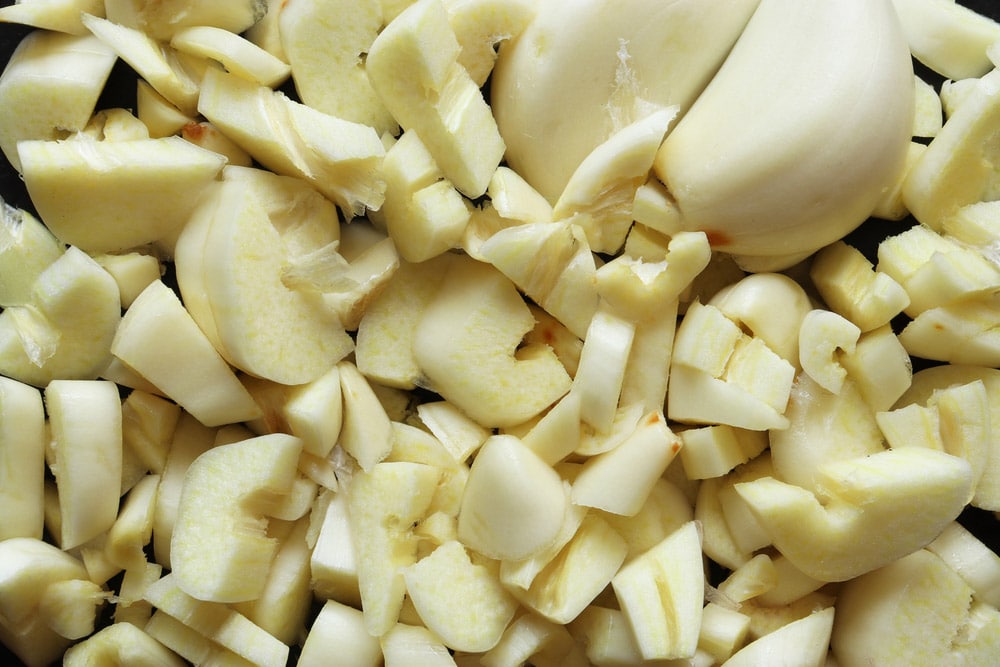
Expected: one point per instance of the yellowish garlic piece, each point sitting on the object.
(54, 15)
(915, 608)
(423, 212)
(315, 413)
(603, 359)
(892, 206)
(713, 451)
(156, 65)
(791, 584)
(191, 438)
(737, 380)
(447, 579)
(976, 563)
(556, 434)
(163, 19)
(466, 345)
(86, 424)
(29, 567)
(619, 481)
(326, 49)
(22, 459)
(745, 530)
(606, 635)
(961, 415)
(225, 555)
(518, 574)
(183, 364)
(771, 306)
(121, 644)
(514, 504)
(751, 579)
(130, 604)
(918, 490)
(133, 528)
(599, 195)
(65, 329)
(717, 540)
(852, 288)
(911, 426)
(340, 628)
(481, 27)
(935, 270)
(384, 503)
(285, 602)
(975, 225)
(355, 283)
(405, 643)
(51, 66)
(661, 594)
(133, 272)
(515, 199)
(823, 336)
(220, 624)
(27, 248)
(928, 115)
(78, 187)
(957, 167)
(949, 38)
(880, 367)
(533, 638)
(721, 160)
(237, 54)
(551, 262)
(666, 509)
(459, 434)
(207, 136)
(723, 631)
(647, 371)
(637, 288)
(805, 641)
(384, 343)
(187, 642)
(626, 419)
(413, 66)
(579, 72)
(577, 575)
(935, 379)
(654, 208)
(333, 562)
(961, 332)
(340, 158)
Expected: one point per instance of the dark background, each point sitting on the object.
(120, 92)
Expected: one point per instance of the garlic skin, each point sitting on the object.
(584, 69)
(801, 132)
